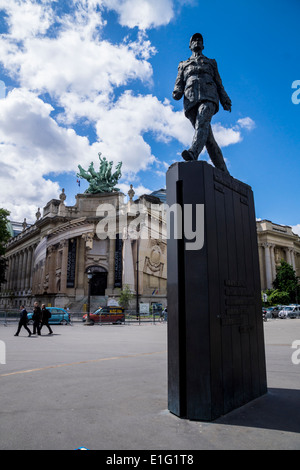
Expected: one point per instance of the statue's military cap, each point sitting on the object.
(196, 35)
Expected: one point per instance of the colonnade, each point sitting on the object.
(20, 270)
(269, 261)
(23, 275)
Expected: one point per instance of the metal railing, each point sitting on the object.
(131, 318)
(8, 316)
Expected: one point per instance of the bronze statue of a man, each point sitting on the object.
(199, 81)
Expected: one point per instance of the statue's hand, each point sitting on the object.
(227, 107)
(177, 95)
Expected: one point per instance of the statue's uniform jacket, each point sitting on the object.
(198, 80)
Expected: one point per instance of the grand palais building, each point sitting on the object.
(50, 260)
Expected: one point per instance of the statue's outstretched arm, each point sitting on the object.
(179, 84)
(83, 174)
(224, 98)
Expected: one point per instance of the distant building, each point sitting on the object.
(15, 228)
(276, 243)
(49, 260)
(161, 194)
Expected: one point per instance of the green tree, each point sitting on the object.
(4, 237)
(125, 296)
(287, 281)
(277, 297)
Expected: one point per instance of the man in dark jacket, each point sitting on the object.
(23, 321)
(45, 319)
(198, 80)
(36, 317)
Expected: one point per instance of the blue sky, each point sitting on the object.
(86, 76)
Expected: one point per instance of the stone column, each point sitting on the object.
(7, 271)
(273, 263)
(16, 270)
(111, 265)
(80, 268)
(28, 269)
(51, 269)
(292, 257)
(33, 275)
(32, 266)
(128, 267)
(10, 270)
(288, 255)
(19, 271)
(261, 264)
(64, 265)
(23, 273)
(268, 265)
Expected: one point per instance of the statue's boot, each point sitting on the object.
(187, 155)
(215, 152)
(203, 136)
(201, 123)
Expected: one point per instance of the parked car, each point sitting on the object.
(111, 314)
(59, 316)
(273, 311)
(290, 311)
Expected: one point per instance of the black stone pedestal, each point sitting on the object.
(216, 358)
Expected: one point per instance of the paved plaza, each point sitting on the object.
(105, 387)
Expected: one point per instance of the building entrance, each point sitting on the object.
(99, 283)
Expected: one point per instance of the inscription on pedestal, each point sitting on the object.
(231, 183)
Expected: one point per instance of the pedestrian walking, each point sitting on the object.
(23, 321)
(46, 315)
(161, 316)
(36, 317)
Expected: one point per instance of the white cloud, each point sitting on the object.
(31, 146)
(138, 190)
(26, 18)
(121, 129)
(2, 89)
(144, 14)
(226, 136)
(296, 229)
(82, 73)
(25, 123)
(76, 64)
(246, 123)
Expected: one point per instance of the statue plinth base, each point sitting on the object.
(216, 358)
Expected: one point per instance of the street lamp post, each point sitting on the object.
(88, 320)
(137, 281)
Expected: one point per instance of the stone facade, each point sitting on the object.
(48, 261)
(276, 243)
